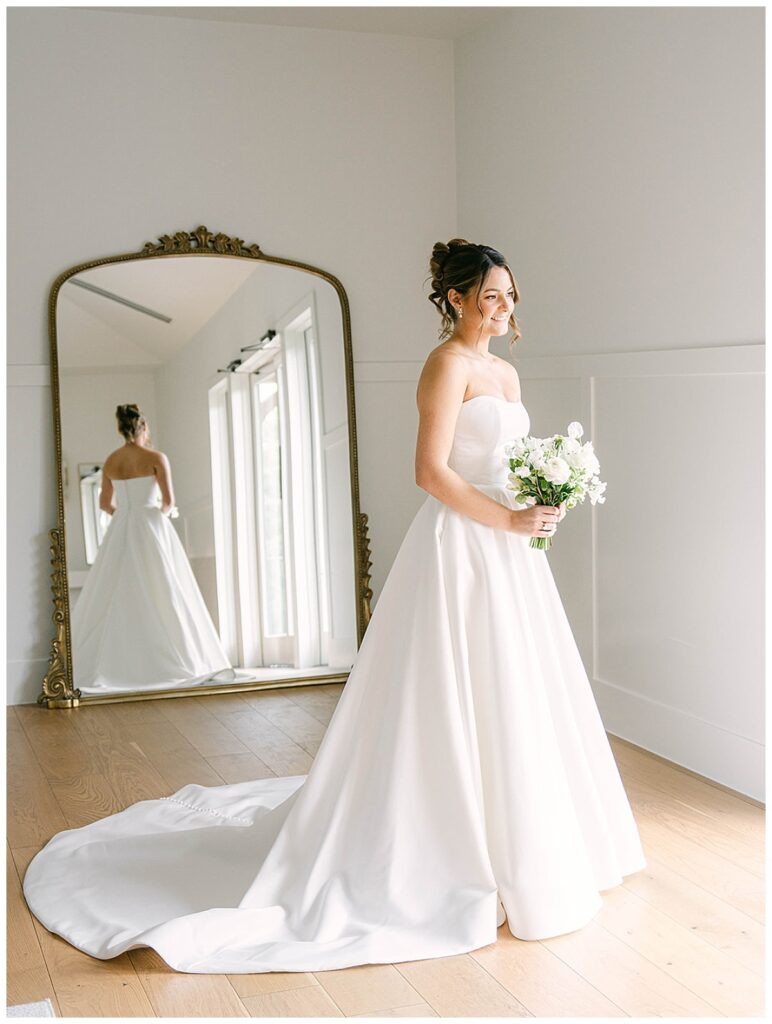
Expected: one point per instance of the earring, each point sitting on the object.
(460, 312)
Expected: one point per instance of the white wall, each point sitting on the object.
(333, 148)
(616, 156)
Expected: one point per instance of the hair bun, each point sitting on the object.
(441, 252)
(130, 420)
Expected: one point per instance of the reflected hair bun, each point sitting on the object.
(130, 420)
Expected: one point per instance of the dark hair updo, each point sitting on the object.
(464, 265)
(131, 421)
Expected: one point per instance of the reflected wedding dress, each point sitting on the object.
(465, 778)
(140, 621)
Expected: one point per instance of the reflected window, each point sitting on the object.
(249, 459)
(266, 418)
(273, 467)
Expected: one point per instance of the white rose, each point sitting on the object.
(575, 429)
(523, 471)
(557, 471)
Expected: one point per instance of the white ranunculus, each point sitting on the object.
(575, 429)
(557, 471)
(588, 458)
(523, 471)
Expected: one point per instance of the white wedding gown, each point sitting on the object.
(465, 774)
(140, 621)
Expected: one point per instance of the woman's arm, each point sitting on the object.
(106, 494)
(163, 471)
(441, 390)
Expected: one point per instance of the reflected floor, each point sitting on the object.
(268, 672)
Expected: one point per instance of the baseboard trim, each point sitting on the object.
(704, 749)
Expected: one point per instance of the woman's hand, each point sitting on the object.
(562, 507)
(536, 520)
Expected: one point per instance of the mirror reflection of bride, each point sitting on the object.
(140, 620)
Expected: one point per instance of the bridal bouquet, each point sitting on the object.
(551, 470)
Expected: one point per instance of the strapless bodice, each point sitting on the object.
(139, 492)
(484, 425)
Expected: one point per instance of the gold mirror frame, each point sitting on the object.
(58, 690)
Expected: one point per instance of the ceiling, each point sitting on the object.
(190, 291)
(429, 22)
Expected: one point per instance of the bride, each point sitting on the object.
(140, 621)
(465, 778)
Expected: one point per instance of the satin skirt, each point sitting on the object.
(140, 622)
(465, 779)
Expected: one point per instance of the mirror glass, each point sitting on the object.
(232, 559)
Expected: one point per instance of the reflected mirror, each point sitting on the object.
(208, 485)
(95, 519)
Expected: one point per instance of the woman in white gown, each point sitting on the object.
(465, 777)
(140, 621)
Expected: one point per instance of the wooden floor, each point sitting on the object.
(683, 938)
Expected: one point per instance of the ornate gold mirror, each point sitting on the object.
(209, 534)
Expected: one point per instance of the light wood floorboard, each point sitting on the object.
(682, 938)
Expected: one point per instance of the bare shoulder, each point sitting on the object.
(108, 466)
(159, 458)
(445, 371)
(445, 361)
(446, 350)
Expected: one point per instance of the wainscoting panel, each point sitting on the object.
(676, 552)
